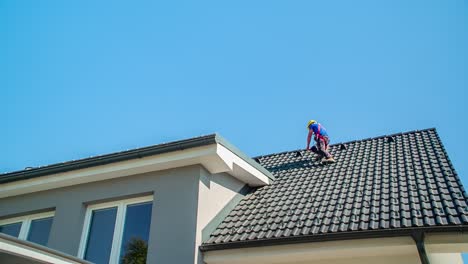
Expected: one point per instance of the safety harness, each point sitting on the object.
(319, 136)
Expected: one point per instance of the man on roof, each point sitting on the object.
(321, 141)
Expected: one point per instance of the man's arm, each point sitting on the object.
(309, 137)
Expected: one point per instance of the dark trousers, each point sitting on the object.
(321, 147)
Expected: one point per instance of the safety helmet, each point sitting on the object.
(310, 123)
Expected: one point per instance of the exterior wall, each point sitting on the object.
(188, 202)
(215, 193)
(444, 258)
(399, 259)
(401, 250)
(174, 214)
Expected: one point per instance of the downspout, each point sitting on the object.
(418, 237)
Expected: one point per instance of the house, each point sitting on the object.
(390, 199)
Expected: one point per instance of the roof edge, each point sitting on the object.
(108, 158)
(131, 154)
(222, 141)
(331, 237)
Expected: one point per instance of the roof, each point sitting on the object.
(128, 155)
(384, 186)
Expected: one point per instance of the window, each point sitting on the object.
(34, 228)
(117, 232)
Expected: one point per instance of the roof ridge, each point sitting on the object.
(353, 141)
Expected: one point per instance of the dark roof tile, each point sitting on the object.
(399, 181)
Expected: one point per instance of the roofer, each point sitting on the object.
(321, 141)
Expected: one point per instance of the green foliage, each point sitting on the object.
(135, 252)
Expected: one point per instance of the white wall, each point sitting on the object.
(445, 258)
(401, 250)
(402, 259)
(215, 192)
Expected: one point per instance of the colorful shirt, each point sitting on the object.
(315, 128)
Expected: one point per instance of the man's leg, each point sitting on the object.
(315, 150)
(322, 146)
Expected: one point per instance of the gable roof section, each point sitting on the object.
(384, 186)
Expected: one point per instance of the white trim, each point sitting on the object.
(241, 169)
(119, 226)
(121, 206)
(84, 233)
(26, 222)
(215, 158)
(25, 226)
(28, 251)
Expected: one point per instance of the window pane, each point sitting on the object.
(101, 232)
(39, 231)
(11, 229)
(136, 232)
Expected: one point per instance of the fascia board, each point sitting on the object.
(109, 171)
(214, 157)
(222, 141)
(241, 169)
(138, 153)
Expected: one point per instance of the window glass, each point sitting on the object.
(136, 233)
(100, 235)
(40, 230)
(11, 229)
(117, 232)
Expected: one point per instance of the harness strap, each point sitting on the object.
(318, 135)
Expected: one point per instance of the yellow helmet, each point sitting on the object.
(310, 123)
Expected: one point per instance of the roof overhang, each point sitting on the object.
(212, 152)
(14, 250)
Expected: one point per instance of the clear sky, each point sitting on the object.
(83, 78)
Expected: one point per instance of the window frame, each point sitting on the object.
(121, 206)
(25, 221)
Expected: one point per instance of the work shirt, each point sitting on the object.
(323, 131)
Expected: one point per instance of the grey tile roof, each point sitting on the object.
(401, 182)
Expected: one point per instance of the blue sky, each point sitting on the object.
(83, 78)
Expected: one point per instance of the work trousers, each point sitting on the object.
(321, 147)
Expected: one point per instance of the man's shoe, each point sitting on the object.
(328, 160)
